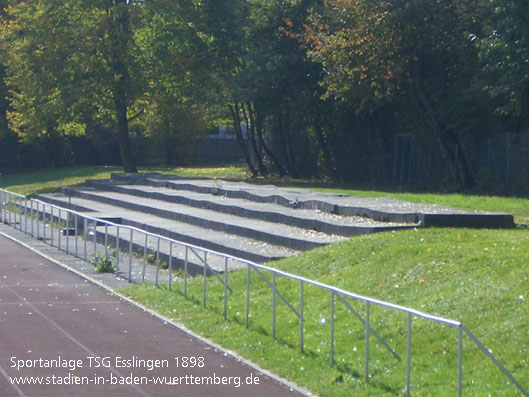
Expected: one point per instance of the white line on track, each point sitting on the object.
(5, 375)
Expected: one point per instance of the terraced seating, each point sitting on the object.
(253, 222)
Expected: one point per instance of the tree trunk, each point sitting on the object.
(379, 124)
(290, 146)
(328, 161)
(129, 166)
(448, 141)
(268, 151)
(121, 31)
(283, 143)
(240, 140)
(251, 139)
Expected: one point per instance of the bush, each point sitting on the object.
(151, 260)
(102, 263)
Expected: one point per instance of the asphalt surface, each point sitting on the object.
(68, 337)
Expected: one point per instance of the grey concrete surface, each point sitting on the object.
(382, 209)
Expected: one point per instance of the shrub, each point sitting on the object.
(152, 260)
(102, 263)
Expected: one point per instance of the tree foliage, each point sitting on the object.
(313, 88)
(71, 67)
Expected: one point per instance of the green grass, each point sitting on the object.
(49, 180)
(516, 206)
(480, 277)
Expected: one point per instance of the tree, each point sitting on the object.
(174, 57)
(377, 53)
(3, 87)
(260, 72)
(120, 62)
(71, 65)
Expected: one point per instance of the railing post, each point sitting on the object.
(248, 296)
(43, 222)
(157, 260)
(225, 311)
(22, 212)
(5, 209)
(18, 208)
(85, 233)
(408, 356)
(170, 265)
(95, 236)
(204, 278)
(51, 225)
(38, 221)
(144, 257)
(9, 208)
(32, 221)
(25, 216)
(185, 271)
(332, 330)
(59, 229)
(68, 216)
(130, 254)
(117, 248)
(76, 237)
(367, 342)
(301, 318)
(460, 361)
(15, 212)
(106, 239)
(274, 305)
(4, 206)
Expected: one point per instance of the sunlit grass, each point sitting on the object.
(49, 180)
(479, 277)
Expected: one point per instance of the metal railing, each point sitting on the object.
(81, 237)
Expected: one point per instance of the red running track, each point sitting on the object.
(54, 325)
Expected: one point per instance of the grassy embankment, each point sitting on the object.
(49, 180)
(480, 277)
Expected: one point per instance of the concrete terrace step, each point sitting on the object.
(314, 220)
(269, 232)
(245, 248)
(259, 223)
(381, 209)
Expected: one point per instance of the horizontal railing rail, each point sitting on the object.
(30, 216)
